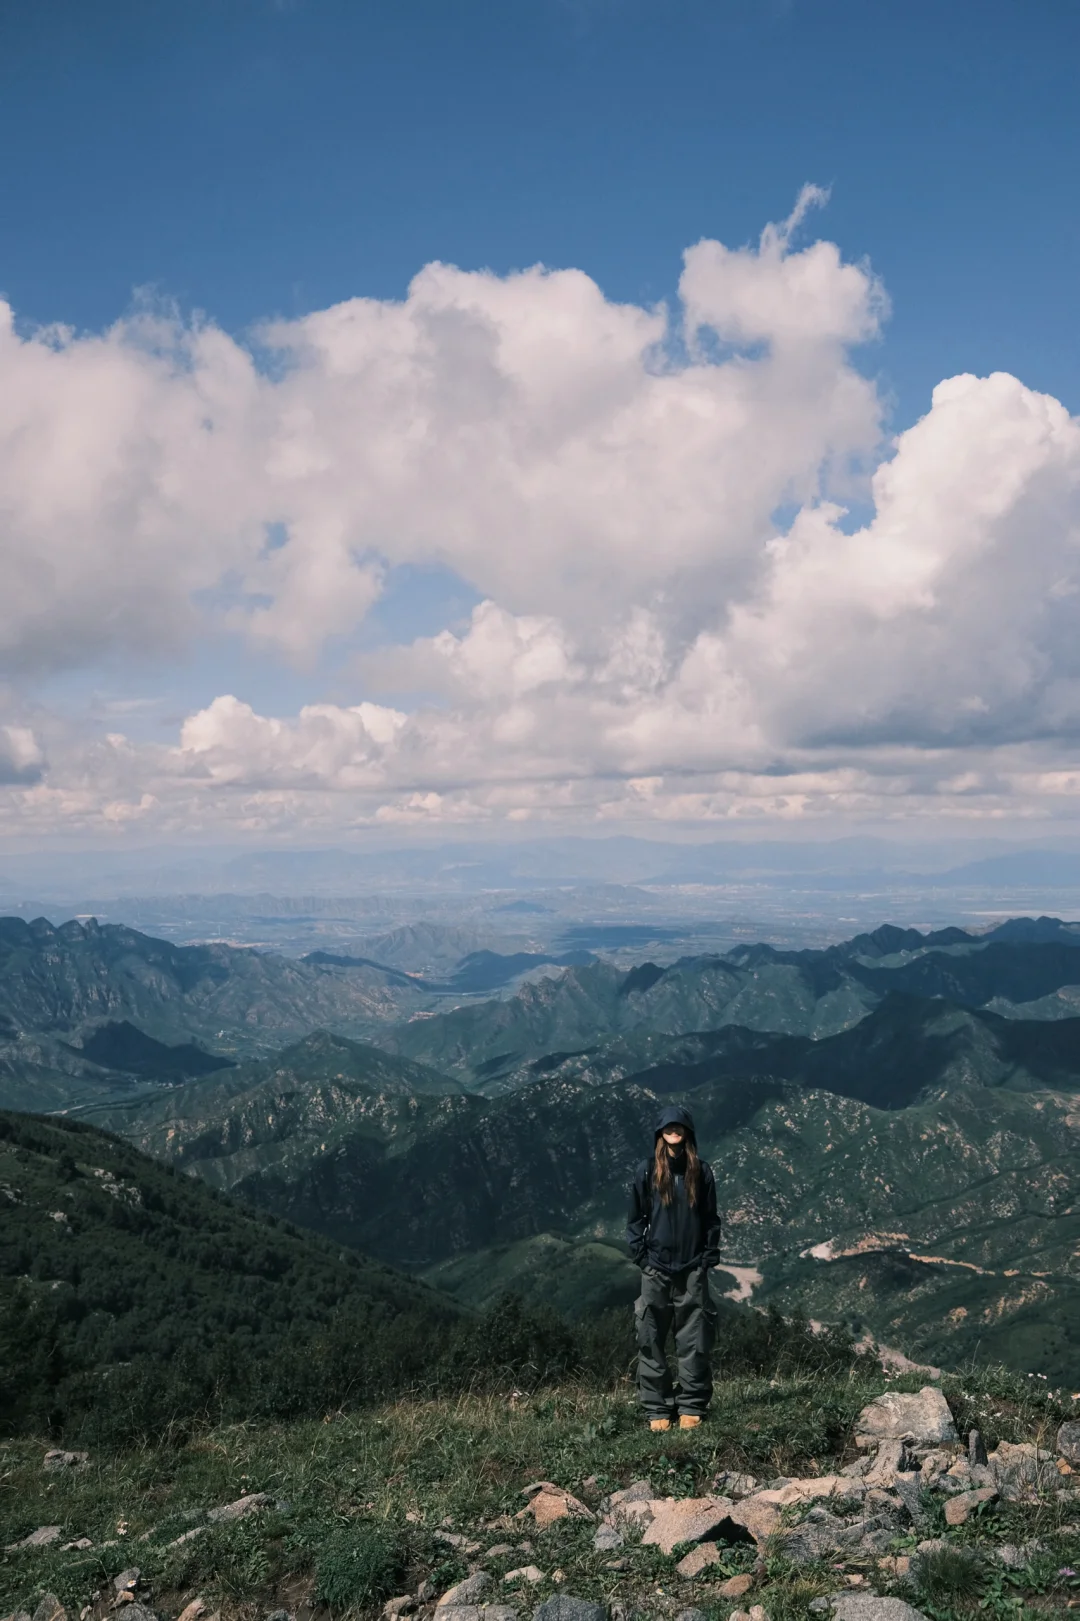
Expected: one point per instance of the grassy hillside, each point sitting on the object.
(372, 1504)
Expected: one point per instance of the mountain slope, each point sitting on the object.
(73, 980)
(107, 1256)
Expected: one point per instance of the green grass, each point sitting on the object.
(357, 1500)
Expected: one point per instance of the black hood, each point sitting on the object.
(676, 1115)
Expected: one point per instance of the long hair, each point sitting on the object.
(662, 1176)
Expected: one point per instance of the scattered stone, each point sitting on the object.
(893, 1457)
(240, 1509)
(281, 1615)
(958, 1510)
(931, 1545)
(871, 1607)
(691, 1615)
(755, 1516)
(934, 1464)
(1068, 1441)
(426, 1591)
(757, 1613)
(853, 1579)
(638, 1491)
(924, 1418)
(456, 1540)
(692, 1519)
(808, 1491)
(500, 1550)
(43, 1537)
(57, 1459)
(1015, 1558)
(563, 1607)
(550, 1503)
(402, 1605)
(192, 1611)
(1020, 1469)
(127, 1581)
(525, 1573)
(730, 1483)
(464, 1593)
(739, 1615)
(855, 1470)
(187, 1536)
(896, 1564)
(698, 1559)
(736, 1586)
(499, 1612)
(137, 1612)
(80, 1545)
(50, 1609)
(616, 1564)
(819, 1606)
(909, 1490)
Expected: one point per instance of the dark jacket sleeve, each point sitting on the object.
(710, 1222)
(637, 1220)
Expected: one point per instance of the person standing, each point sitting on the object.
(673, 1232)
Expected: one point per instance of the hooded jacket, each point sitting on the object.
(679, 1235)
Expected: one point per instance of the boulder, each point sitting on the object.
(1020, 1469)
(1068, 1441)
(693, 1519)
(758, 1518)
(871, 1607)
(923, 1419)
(240, 1509)
(563, 1607)
(958, 1510)
(698, 1559)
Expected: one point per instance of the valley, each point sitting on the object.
(893, 1118)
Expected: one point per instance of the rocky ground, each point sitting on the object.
(909, 1514)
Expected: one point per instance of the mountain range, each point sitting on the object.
(893, 1121)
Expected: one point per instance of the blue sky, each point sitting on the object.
(251, 158)
(255, 160)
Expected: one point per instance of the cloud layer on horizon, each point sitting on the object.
(652, 642)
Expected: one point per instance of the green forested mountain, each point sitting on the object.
(902, 1103)
(123, 1282)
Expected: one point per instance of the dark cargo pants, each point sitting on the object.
(681, 1299)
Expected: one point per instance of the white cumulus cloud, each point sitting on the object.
(651, 639)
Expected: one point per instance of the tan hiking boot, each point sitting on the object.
(689, 1421)
(659, 1423)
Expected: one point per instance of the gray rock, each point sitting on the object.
(607, 1538)
(57, 1459)
(638, 1491)
(819, 1606)
(499, 1612)
(691, 1615)
(43, 1537)
(871, 1607)
(137, 1612)
(1068, 1441)
(924, 1419)
(287, 1615)
(564, 1607)
(50, 1609)
(1015, 1558)
(464, 1593)
(127, 1580)
(909, 1490)
(240, 1509)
